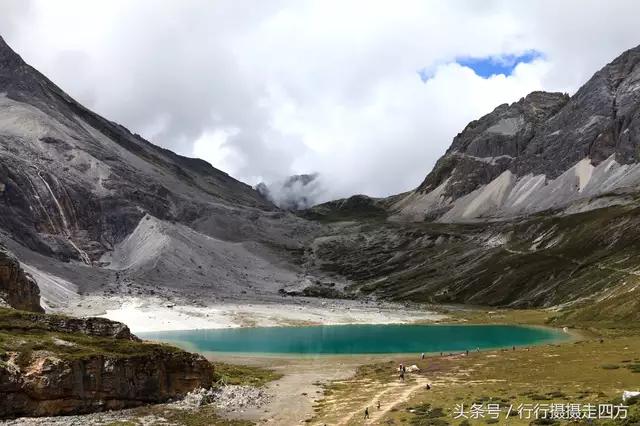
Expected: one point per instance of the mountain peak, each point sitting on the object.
(541, 151)
(9, 59)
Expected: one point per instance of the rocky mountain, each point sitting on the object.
(89, 207)
(546, 151)
(533, 204)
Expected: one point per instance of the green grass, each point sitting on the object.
(567, 373)
(543, 260)
(203, 416)
(243, 375)
(22, 332)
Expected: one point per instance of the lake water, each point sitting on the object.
(358, 339)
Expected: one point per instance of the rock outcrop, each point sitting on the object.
(53, 365)
(47, 385)
(22, 322)
(17, 288)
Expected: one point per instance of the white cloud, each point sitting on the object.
(267, 89)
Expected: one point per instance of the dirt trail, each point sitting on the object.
(294, 395)
(392, 395)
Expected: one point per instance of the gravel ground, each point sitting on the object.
(228, 398)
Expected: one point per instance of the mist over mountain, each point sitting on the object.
(297, 192)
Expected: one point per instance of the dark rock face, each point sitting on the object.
(49, 386)
(545, 134)
(17, 288)
(501, 136)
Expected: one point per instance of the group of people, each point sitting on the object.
(403, 369)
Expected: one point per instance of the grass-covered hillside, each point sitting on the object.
(587, 262)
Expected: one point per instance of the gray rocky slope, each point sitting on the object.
(75, 188)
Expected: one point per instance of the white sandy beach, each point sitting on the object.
(154, 314)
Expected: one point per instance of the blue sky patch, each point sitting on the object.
(487, 66)
(494, 65)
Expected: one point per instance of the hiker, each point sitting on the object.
(422, 356)
(428, 386)
(402, 375)
(378, 405)
(366, 413)
(514, 348)
(467, 352)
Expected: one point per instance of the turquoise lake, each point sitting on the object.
(358, 339)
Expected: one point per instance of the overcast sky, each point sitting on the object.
(369, 94)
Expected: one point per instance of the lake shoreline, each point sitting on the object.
(156, 314)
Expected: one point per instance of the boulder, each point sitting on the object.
(17, 288)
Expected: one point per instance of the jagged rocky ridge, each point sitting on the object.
(545, 151)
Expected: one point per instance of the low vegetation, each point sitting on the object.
(162, 415)
(586, 261)
(21, 332)
(244, 375)
(596, 368)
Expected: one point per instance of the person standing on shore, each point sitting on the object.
(366, 413)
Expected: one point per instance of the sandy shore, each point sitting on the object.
(155, 314)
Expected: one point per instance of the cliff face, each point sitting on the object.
(46, 385)
(53, 365)
(17, 288)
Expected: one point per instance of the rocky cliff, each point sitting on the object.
(546, 151)
(17, 288)
(53, 365)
